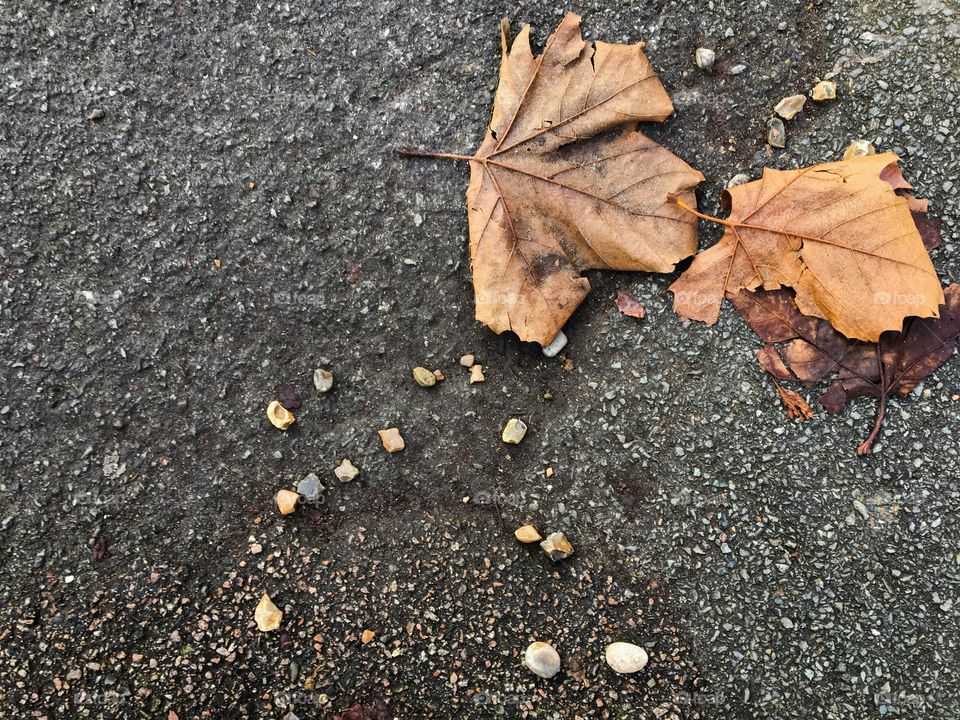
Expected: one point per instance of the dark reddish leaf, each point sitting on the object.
(629, 305)
(100, 549)
(353, 273)
(377, 711)
(929, 229)
(289, 397)
(810, 350)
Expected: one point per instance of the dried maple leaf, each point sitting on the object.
(813, 351)
(563, 182)
(629, 305)
(838, 233)
(797, 406)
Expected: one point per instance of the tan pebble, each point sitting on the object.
(790, 106)
(287, 501)
(549, 472)
(514, 431)
(346, 471)
(468, 360)
(439, 376)
(424, 377)
(527, 534)
(557, 547)
(367, 637)
(824, 90)
(859, 148)
(476, 374)
(392, 441)
(279, 416)
(267, 615)
(256, 549)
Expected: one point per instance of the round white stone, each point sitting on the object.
(555, 345)
(626, 658)
(542, 659)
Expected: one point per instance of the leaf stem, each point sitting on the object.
(865, 446)
(676, 200)
(415, 152)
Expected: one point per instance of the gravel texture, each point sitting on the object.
(201, 204)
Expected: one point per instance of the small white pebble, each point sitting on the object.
(626, 658)
(705, 58)
(555, 345)
(542, 659)
(322, 380)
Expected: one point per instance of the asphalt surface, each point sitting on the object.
(201, 203)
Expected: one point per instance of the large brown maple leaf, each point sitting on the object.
(563, 182)
(812, 351)
(838, 233)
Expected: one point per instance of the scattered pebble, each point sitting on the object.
(824, 90)
(96, 114)
(476, 374)
(705, 58)
(738, 179)
(392, 441)
(287, 501)
(256, 548)
(737, 69)
(555, 345)
(424, 377)
(279, 416)
(557, 547)
(859, 148)
(626, 658)
(310, 488)
(776, 133)
(549, 472)
(527, 534)
(346, 471)
(790, 106)
(439, 376)
(367, 637)
(514, 431)
(322, 380)
(468, 360)
(267, 615)
(542, 659)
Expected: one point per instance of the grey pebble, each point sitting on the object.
(310, 488)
